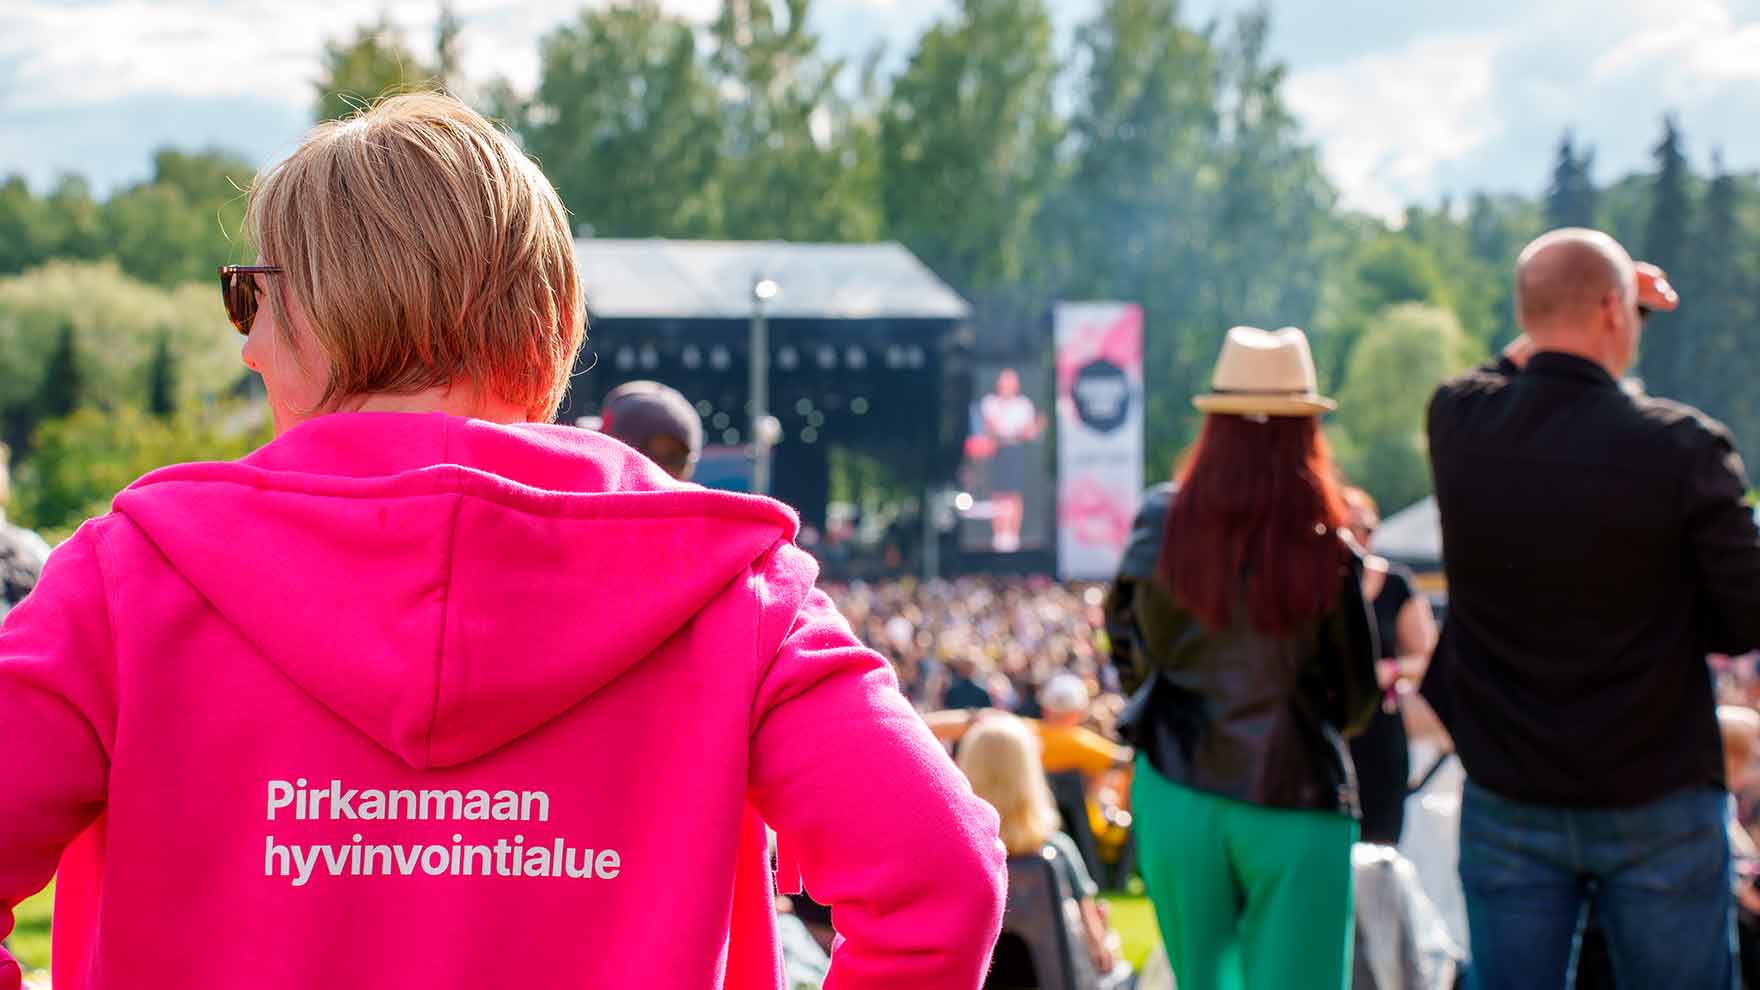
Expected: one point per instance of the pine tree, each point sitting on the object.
(63, 383)
(1570, 202)
(162, 379)
(1670, 339)
(1719, 293)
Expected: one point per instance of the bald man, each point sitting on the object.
(1597, 547)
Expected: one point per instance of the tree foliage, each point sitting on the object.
(82, 460)
(373, 62)
(1571, 200)
(93, 317)
(1406, 351)
(1666, 352)
(968, 139)
(627, 124)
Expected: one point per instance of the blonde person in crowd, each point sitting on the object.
(373, 706)
(1000, 756)
(1739, 727)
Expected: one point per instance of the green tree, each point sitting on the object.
(27, 231)
(1570, 201)
(375, 61)
(1274, 201)
(83, 459)
(1498, 227)
(186, 219)
(117, 321)
(1131, 221)
(63, 385)
(1384, 269)
(1405, 352)
(968, 140)
(158, 236)
(162, 379)
(796, 162)
(626, 123)
(1721, 293)
(1671, 339)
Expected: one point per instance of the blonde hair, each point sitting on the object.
(424, 249)
(1000, 756)
(1740, 727)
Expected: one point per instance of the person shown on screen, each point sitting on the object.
(1010, 421)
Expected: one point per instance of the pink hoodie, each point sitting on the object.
(415, 701)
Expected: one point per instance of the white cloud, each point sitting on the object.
(93, 54)
(1385, 121)
(79, 56)
(1702, 41)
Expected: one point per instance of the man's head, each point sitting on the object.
(1576, 292)
(657, 421)
(1064, 700)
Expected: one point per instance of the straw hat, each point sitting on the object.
(1265, 373)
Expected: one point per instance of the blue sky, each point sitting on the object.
(1408, 99)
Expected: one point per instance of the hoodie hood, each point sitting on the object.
(447, 585)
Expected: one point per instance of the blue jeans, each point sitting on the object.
(1658, 875)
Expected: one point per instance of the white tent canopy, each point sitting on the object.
(664, 279)
(1413, 535)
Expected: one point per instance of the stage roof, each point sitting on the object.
(685, 280)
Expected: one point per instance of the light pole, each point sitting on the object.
(758, 381)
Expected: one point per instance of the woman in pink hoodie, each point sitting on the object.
(426, 693)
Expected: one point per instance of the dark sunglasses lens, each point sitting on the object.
(239, 291)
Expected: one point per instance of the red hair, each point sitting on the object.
(1257, 504)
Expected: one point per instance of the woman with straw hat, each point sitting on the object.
(1239, 608)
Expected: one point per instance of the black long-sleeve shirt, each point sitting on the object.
(1597, 546)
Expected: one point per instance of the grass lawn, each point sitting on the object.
(1132, 916)
(1134, 919)
(29, 941)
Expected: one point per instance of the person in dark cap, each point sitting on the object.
(658, 421)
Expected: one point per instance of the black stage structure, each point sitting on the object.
(868, 350)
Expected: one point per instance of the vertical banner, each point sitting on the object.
(1099, 434)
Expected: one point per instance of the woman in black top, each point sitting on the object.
(1406, 632)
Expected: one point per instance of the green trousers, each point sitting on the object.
(1246, 896)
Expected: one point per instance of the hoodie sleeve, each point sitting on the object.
(55, 707)
(885, 827)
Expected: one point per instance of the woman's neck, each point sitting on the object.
(442, 399)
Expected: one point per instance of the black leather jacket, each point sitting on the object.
(1238, 713)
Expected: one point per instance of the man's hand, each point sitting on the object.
(1520, 350)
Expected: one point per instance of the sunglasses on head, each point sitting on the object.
(238, 289)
